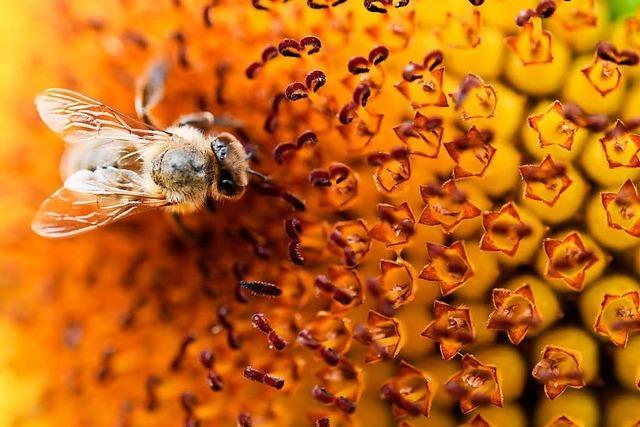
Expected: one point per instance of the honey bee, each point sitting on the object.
(116, 166)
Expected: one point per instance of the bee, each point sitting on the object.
(116, 166)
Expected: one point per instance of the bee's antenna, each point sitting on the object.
(258, 174)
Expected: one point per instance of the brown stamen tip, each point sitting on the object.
(177, 360)
(322, 422)
(264, 378)
(244, 420)
(152, 398)
(293, 228)
(261, 288)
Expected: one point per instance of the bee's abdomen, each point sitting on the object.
(182, 169)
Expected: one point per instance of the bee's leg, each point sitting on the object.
(150, 90)
(205, 121)
(202, 120)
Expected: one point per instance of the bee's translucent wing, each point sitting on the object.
(78, 118)
(67, 212)
(91, 199)
(110, 181)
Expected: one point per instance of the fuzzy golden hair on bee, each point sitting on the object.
(116, 166)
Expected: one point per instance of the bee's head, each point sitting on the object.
(232, 177)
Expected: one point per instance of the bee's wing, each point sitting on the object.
(91, 199)
(78, 118)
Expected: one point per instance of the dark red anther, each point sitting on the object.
(350, 258)
(345, 405)
(377, 159)
(476, 2)
(546, 8)
(347, 113)
(469, 82)
(343, 295)
(524, 16)
(306, 339)
(269, 53)
(222, 71)
(244, 420)
(323, 283)
(206, 15)
(389, 393)
(264, 378)
(411, 72)
(361, 94)
(399, 153)
(271, 122)
(338, 239)
(258, 5)
(282, 150)
(313, 4)
(339, 172)
(322, 422)
(253, 374)
(358, 65)
(223, 317)
(293, 228)
(206, 359)
(320, 178)
(329, 355)
(176, 362)
(596, 122)
(188, 401)
(308, 137)
(182, 50)
(433, 59)
(277, 100)
(150, 387)
(593, 122)
(136, 38)
(261, 288)
(214, 381)
(371, 6)
(322, 395)
(295, 252)
(290, 48)
(315, 80)
(126, 321)
(261, 323)
(276, 341)
(630, 58)
(373, 285)
(273, 381)
(378, 55)
(104, 372)
(296, 91)
(293, 200)
(233, 339)
(311, 44)
(606, 51)
(240, 294)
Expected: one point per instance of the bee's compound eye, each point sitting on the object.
(226, 184)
